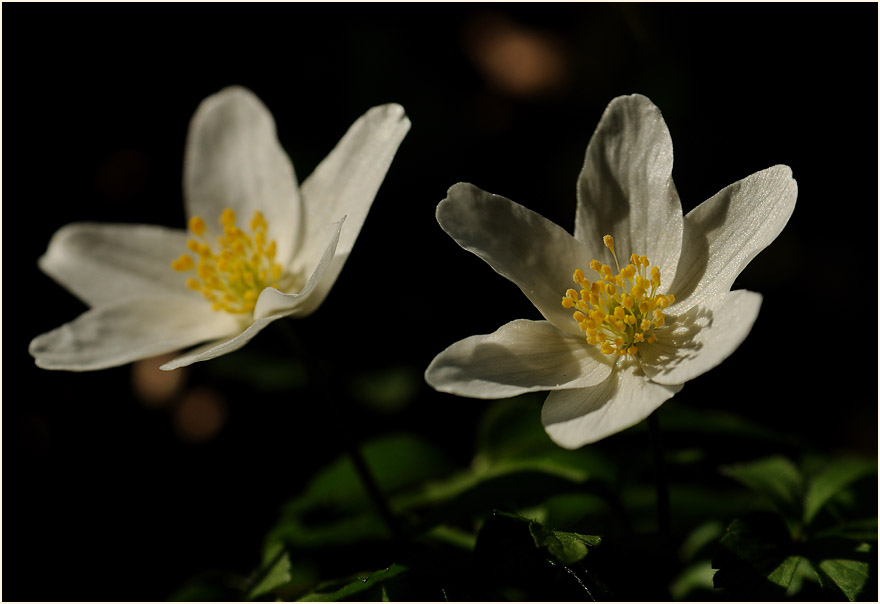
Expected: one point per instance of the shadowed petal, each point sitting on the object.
(724, 233)
(625, 188)
(701, 338)
(344, 185)
(103, 263)
(129, 330)
(574, 418)
(521, 245)
(234, 160)
(521, 356)
(218, 348)
(302, 303)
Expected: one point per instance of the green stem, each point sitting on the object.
(373, 490)
(322, 387)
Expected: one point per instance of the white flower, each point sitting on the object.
(260, 247)
(619, 338)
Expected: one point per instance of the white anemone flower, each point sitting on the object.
(259, 247)
(635, 304)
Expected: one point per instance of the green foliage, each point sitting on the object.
(807, 525)
(527, 520)
(364, 586)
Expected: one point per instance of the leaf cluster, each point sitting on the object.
(526, 520)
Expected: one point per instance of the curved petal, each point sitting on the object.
(701, 338)
(305, 302)
(234, 160)
(215, 349)
(345, 184)
(521, 245)
(129, 330)
(573, 418)
(521, 356)
(724, 233)
(626, 190)
(103, 263)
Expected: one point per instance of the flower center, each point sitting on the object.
(232, 277)
(618, 312)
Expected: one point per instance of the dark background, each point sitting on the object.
(113, 495)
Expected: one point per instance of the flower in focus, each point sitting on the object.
(635, 304)
(259, 247)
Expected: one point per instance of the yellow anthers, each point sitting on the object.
(618, 311)
(243, 265)
(184, 263)
(608, 240)
(197, 226)
(227, 218)
(258, 223)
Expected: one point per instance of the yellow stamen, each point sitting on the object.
(619, 311)
(244, 265)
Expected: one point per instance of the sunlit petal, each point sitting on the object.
(521, 356)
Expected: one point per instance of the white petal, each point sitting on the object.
(305, 302)
(129, 330)
(345, 184)
(724, 233)
(521, 245)
(574, 418)
(234, 160)
(702, 338)
(626, 190)
(102, 263)
(218, 348)
(521, 356)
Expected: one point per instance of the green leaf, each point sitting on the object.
(303, 532)
(757, 559)
(356, 588)
(834, 477)
(844, 565)
(567, 548)
(776, 478)
(277, 572)
(512, 485)
(694, 578)
(511, 431)
(536, 561)
(395, 461)
(334, 509)
(863, 530)
(849, 576)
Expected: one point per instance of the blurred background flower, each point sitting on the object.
(124, 500)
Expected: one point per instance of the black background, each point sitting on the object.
(103, 499)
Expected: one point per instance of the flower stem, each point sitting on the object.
(372, 487)
(661, 484)
(322, 387)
